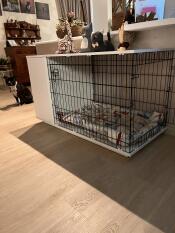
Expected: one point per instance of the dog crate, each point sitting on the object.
(121, 102)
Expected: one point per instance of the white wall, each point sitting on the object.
(157, 38)
(169, 9)
(47, 27)
(99, 14)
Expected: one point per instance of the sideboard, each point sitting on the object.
(19, 63)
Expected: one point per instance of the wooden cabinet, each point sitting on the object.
(19, 62)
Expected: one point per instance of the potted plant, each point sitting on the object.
(75, 24)
(76, 27)
(4, 63)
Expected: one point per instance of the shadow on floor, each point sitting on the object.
(8, 107)
(144, 184)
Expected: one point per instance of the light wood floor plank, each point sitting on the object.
(53, 182)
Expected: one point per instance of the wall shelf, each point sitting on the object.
(23, 38)
(21, 31)
(148, 25)
(26, 29)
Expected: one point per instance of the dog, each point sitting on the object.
(98, 43)
(21, 93)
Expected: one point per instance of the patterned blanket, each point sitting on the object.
(120, 126)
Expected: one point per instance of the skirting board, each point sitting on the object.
(118, 151)
(171, 130)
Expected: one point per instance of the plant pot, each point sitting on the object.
(76, 30)
(117, 20)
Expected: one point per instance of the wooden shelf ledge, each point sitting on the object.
(148, 25)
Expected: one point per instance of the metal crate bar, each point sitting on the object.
(122, 102)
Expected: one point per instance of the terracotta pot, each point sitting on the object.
(76, 30)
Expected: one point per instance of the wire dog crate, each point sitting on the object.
(121, 102)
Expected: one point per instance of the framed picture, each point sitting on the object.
(42, 11)
(10, 5)
(0, 10)
(27, 6)
(147, 10)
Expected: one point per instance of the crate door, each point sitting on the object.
(71, 84)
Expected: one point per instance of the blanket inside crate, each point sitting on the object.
(121, 126)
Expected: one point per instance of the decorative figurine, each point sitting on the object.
(125, 38)
(24, 34)
(122, 44)
(86, 45)
(65, 44)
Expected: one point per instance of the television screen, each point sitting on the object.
(147, 10)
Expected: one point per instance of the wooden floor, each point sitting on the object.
(52, 182)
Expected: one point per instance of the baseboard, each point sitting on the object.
(171, 130)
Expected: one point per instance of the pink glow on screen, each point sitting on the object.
(148, 9)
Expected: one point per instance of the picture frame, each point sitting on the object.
(42, 11)
(10, 5)
(27, 6)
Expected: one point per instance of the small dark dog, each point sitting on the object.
(98, 43)
(21, 93)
